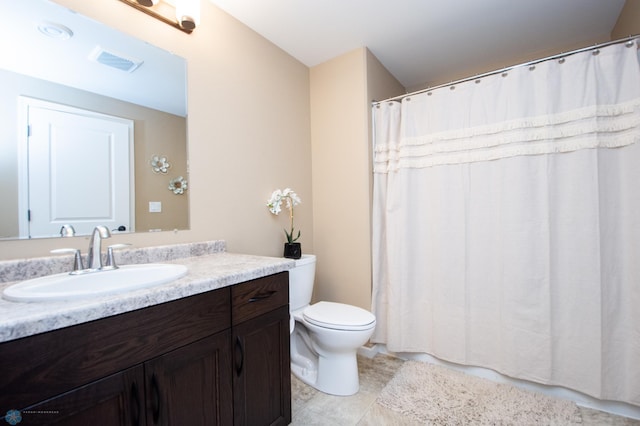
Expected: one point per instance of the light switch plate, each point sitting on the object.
(155, 206)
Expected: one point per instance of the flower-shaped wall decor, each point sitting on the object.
(178, 185)
(159, 164)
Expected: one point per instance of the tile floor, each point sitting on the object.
(310, 407)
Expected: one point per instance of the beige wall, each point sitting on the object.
(339, 164)
(341, 91)
(248, 130)
(628, 21)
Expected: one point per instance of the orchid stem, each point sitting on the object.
(291, 217)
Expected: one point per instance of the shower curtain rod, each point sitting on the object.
(629, 39)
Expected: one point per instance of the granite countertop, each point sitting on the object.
(206, 271)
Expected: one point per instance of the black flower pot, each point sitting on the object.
(292, 250)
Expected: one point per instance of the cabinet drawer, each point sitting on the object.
(259, 296)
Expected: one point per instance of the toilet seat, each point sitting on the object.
(338, 316)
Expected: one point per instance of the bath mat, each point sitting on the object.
(434, 395)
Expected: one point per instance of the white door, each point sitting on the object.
(78, 170)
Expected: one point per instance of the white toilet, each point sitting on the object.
(325, 336)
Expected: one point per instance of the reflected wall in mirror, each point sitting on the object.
(50, 53)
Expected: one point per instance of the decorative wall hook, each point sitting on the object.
(178, 185)
(160, 164)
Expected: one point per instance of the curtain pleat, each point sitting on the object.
(526, 262)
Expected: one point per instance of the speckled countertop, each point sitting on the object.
(210, 267)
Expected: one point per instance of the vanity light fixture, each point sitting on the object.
(181, 14)
(188, 13)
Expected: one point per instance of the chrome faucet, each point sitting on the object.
(94, 257)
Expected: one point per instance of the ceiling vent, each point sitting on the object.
(114, 60)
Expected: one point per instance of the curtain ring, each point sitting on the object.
(596, 52)
(561, 61)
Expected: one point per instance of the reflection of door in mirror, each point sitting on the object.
(78, 170)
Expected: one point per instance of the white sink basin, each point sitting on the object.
(67, 287)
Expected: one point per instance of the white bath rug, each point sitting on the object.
(435, 395)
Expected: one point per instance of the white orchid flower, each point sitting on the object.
(275, 206)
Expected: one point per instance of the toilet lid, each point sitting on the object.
(339, 316)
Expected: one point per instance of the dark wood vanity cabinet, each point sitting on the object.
(116, 400)
(177, 363)
(191, 385)
(261, 367)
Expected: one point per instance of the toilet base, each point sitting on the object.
(337, 375)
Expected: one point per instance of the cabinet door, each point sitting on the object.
(115, 400)
(191, 385)
(261, 371)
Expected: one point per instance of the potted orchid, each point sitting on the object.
(292, 249)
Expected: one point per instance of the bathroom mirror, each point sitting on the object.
(53, 56)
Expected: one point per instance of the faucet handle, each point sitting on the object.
(77, 260)
(111, 260)
(67, 231)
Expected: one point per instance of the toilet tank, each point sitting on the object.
(301, 279)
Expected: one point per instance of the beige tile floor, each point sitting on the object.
(310, 407)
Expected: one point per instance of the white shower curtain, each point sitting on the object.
(506, 223)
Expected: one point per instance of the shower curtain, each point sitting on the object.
(506, 223)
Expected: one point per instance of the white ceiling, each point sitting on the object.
(420, 41)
